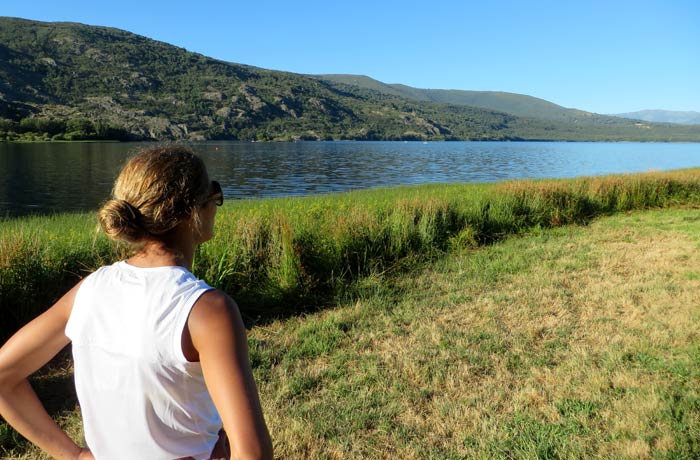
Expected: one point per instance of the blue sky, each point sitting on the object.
(604, 56)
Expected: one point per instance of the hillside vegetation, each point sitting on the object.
(72, 81)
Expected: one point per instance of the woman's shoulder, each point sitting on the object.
(96, 275)
(215, 309)
(214, 323)
(215, 302)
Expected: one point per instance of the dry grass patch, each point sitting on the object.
(574, 343)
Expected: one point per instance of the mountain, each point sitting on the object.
(664, 116)
(73, 81)
(513, 104)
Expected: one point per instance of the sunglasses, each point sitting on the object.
(217, 195)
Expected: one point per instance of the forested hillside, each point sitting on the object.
(72, 81)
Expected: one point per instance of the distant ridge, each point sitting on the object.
(664, 116)
(514, 104)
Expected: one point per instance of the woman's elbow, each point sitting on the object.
(263, 451)
(8, 379)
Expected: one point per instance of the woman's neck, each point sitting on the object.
(175, 248)
(159, 254)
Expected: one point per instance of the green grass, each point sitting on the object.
(575, 342)
(41, 258)
(288, 256)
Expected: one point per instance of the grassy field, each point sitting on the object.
(287, 257)
(568, 343)
(563, 344)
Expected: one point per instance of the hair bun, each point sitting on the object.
(122, 221)
(156, 190)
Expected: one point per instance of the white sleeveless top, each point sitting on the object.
(139, 396)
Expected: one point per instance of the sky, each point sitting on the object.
(602, 56)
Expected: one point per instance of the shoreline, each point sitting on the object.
(285, 256)
(413, 189)
(194, 142)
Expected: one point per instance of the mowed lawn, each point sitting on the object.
(569, 343)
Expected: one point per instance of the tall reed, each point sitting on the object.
(280, 256)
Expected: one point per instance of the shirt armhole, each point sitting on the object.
(77, 313)
(182, 322)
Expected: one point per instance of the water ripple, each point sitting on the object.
(75, 177)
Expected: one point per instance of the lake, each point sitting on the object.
(59, 177)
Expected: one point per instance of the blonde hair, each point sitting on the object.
(156, 190)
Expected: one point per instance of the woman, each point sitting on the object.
(161, 358)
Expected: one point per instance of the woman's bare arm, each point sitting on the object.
(27, 351)
(218, 334)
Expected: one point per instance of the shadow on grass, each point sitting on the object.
(55, 386)
(262, 305)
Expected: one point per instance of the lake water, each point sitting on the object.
(46, 178)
